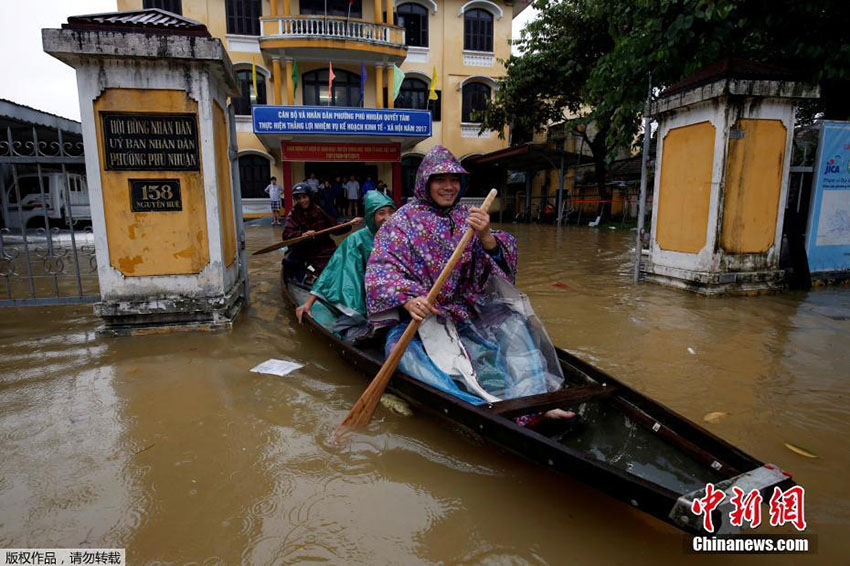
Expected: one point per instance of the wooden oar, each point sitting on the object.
(300, 239)
(364, 408)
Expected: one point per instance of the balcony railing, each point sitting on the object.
(321, 27)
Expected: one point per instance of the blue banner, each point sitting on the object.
(828, 233)
(339, 121)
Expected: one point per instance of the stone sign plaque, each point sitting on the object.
(155, 195)
(150, 142)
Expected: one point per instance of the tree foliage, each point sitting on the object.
(591, 58)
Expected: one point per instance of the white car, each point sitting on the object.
(30, 211)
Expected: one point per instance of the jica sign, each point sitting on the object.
(155, 195)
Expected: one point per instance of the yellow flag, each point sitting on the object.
(432, 95)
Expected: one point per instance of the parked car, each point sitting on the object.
(30, 211)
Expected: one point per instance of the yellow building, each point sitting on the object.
(291, 44)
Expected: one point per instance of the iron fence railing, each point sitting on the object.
(46, 256)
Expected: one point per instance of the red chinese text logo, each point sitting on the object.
(746, 508)
(787, 507)
(784, 507)
(705, 505)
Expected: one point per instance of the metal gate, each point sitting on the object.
(47, 253)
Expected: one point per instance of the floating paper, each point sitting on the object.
(277, 367)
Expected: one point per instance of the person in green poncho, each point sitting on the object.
(341, 282)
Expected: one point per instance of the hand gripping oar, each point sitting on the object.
(362, 411)
(300, 239)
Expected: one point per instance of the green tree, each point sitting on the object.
(591, 59)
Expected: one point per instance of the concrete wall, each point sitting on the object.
(135, 250)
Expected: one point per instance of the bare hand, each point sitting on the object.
(419, 308)
(357, 220)
(480, 222)
(308, 233)
(299, 313)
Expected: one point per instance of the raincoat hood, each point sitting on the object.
(438, 160)
(373, 202)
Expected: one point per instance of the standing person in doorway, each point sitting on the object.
(368, 185)
(339, 195)
(382, 186)
(326, 199)
(313, 182)
(352, 195)
(274, 190)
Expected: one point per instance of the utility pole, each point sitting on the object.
(647, 135)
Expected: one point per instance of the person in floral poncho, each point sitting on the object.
(480, 347)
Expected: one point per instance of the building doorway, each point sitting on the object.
(330, 170)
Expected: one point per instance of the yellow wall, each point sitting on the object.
(152, 243)
(685, 188)
(225, 195)
(753, 183)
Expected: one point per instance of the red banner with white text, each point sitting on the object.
(327, 151)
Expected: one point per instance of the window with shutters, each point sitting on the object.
(243, 16)
(414, 19)
(478, 30)
(346, 88)
(254, 176)
(242, 104)
(173, 6)
(413, 96)
(331, 8)
(476, 96)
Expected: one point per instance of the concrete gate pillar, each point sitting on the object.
(153, 91)
(721, 178)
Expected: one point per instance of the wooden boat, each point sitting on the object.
(627, 445)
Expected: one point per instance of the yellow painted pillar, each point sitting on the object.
(273, 8)
(390, 81)
(278, 85)
(290, 86)
(390, 14)
(379, 12)
(286, 9)
(379, 86)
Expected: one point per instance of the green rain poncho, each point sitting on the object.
(341, 282)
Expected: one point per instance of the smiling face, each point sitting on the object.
(301, 200)
(382, 215)
(444, 188)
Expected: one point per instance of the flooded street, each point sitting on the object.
(170, 447)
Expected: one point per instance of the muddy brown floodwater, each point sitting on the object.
(170, 447)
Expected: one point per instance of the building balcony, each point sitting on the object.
(311, 37)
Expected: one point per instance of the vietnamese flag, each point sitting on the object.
(331, 78)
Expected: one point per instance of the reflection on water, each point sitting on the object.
(170, 447)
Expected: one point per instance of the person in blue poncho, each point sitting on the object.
(341, 283)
